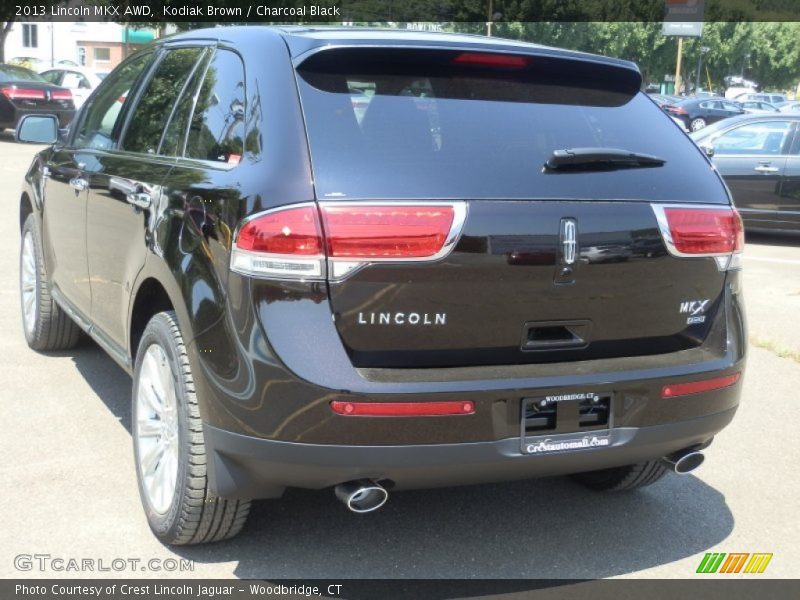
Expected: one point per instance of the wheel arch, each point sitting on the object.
(155, 290)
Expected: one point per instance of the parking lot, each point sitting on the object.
(70, 489)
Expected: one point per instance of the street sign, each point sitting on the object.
(683, 29)
(683, 18)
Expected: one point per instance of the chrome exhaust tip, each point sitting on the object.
(685, 461)
(362, 496)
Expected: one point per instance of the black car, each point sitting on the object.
(663, 99)
(759, 157)
(696, 113)
(23, 92)
(480, 272)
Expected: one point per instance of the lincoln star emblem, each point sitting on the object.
(569, 240)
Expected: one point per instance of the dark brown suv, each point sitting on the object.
(376, 260)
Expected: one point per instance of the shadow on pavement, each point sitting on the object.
(546, 528)
(111, 384)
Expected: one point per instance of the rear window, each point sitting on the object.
(12, 73)
(426, 124)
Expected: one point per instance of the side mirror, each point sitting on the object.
(37, 129)
(708, 149)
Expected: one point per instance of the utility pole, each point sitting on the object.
(746, 59)
(678, 67)
(703, 50)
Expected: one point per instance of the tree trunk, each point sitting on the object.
(3, 34)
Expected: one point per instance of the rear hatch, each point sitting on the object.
(550, 264)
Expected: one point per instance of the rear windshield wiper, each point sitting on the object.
(583, 159)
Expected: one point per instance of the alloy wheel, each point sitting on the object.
(28, 283)
(156, 429)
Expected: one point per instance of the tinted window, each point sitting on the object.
(386, 128)
(12, 73)
(175, 134)
(216, 130)
(707, 104)
(52, 76)
(98, 129)
(795, 144)
(157, 99)
(756, 138)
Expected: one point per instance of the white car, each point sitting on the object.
(81, 82)
(790, 106)
(759, 107)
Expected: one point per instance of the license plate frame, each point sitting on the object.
(567, 435)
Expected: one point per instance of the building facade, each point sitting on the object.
(96, 46)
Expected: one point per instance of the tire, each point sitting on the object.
(697, 124)
(621, 479)
(47, 327)
(168, 445)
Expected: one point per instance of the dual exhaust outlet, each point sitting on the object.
(365, 495)
(683, 461)
(362, 495)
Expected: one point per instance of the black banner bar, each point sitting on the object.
(400, 11)
(707, 588)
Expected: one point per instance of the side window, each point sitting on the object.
(707, 104)
(216, 130)
(766, 138)
(156, 101)
(74, 80)
(795, 149)
(53, 77)
(174, 138)
(97, 129)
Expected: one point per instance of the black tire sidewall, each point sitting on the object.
(159, 331)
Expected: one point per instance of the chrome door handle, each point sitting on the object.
(140, 199)
(79, 183)
(766, 169)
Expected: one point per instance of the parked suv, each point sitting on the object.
(479, 271)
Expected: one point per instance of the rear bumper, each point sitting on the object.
(247, 467)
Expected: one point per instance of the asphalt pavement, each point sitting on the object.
(69, 489)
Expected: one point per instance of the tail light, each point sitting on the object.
(677, 110)
(487, 59)
(300, 241)
(703, 231)
(696, 387)
(61, 95)
(283, 243)
(18, 93)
